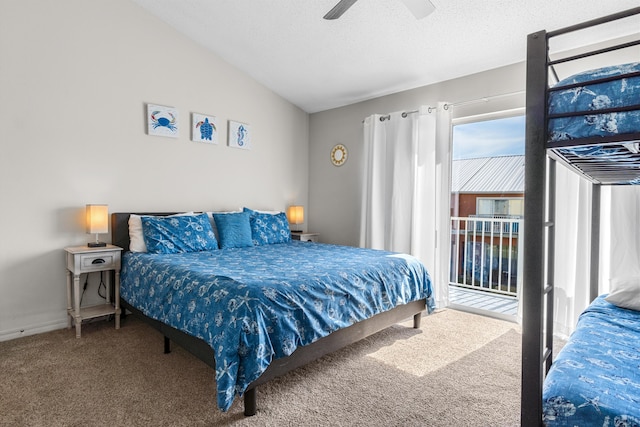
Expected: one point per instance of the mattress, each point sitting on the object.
(577, 94)
(595, 379)
(259, 303)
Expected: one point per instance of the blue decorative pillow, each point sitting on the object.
(267, 228)
(178, 234)
(234, 230)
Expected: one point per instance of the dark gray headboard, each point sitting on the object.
(120, 226)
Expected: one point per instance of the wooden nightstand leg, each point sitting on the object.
(117, 298)
(108, 285)
(76, 303)
(69, 307)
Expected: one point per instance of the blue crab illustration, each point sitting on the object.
(164, 122)
(242, 131)
(206, 129)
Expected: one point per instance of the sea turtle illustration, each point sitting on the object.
(163, 121)
(206, 129)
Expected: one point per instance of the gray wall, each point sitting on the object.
(334, 192)
(74, 80)
(75, 76)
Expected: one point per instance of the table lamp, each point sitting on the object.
(295, 215)
(97, 223)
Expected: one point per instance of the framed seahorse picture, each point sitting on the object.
(162, 121)
(204, 128)
(239, 135)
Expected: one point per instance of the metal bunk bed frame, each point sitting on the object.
(537, 323)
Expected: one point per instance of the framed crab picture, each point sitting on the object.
(204, 128)
(162, 121)
(239, 135)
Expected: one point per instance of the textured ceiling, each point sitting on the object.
(377, 47)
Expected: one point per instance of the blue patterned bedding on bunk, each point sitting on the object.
(590, 98)
(595, 379)
(259, 303)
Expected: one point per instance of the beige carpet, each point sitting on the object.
(458, 369)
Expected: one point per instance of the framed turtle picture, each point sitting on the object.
(162, 121)
(239, 135)
(204, 128)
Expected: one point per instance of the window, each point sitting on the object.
(500, 207)
(487, 202)
(488, 136)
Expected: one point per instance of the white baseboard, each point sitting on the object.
(32, 330)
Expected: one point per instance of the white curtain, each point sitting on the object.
(406, 185)
(620, 246)
(572, 249)
(619, 243)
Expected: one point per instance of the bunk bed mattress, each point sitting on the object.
(589, 98)
(595, 379)
(260, 303)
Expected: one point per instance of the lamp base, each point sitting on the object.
(96, 244)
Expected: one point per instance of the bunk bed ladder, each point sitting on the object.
(539, 233)
(548, 291)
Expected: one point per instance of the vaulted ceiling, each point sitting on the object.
(377, 47)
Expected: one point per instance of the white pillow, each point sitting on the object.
(136, 239)
(265, 212)
(625, 292)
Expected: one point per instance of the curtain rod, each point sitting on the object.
(404, 114)
(455, 104)
(484, 99)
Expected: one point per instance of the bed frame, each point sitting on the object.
(541, 157)
(278, 367)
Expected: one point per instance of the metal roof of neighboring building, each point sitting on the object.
(488, 175)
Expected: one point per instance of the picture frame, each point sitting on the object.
(204, 128)
(339, 155)
(239, 135)
(162, 121)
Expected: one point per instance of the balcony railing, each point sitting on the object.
(486, 254)
(492, 223)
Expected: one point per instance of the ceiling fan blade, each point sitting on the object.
(339, 9)
(420, 8)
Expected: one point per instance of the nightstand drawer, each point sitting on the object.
(305, 237)
(91, 262)
(85, 260)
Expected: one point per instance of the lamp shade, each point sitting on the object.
(97, 219)
(295, 214)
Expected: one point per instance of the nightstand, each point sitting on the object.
(305, 237)
(83, 259)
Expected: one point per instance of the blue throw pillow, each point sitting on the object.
(267, 228)
(234, 230)
(178, 234)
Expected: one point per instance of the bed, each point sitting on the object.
(593, 123)
(590, 122)
(256, 309)
(601, 363)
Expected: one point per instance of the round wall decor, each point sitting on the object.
(339, 155)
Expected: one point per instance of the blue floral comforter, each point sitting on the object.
(260, 303)
(590, 98)
(595, 379)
